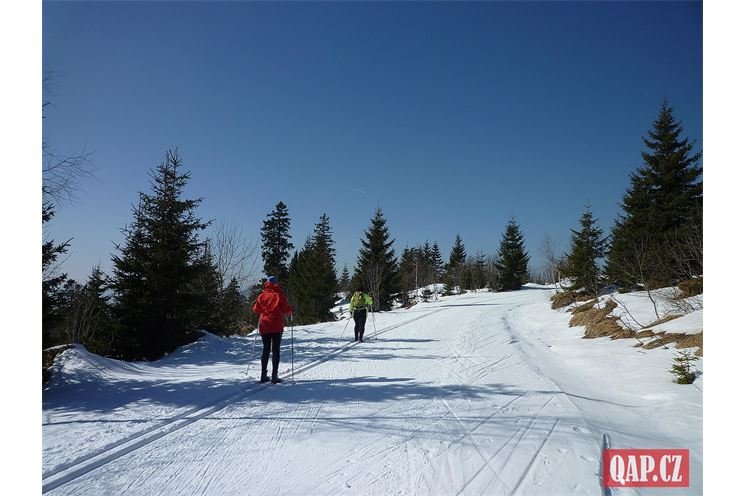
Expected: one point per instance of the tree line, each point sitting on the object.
(169, 281)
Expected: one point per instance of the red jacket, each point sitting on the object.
(271, 305)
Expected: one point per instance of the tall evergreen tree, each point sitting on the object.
(157, 272)
(377, 269)
(51, 283)
(425, 264)
(479, 270)
(456, 264)
(665, 199)
(437, 263)
(588, 245)
(232, 308)
(312, 285)
(408, 267)
(512, 263)
(275, 242)
(345, 280)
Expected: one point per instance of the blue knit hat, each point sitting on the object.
(272, 279)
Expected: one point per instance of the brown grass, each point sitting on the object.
(691, 287)
(663, 339)
(561, 300)
(645, 334)
(585, 306)
(606, 327)
(680, 340)
(592, 314)
(691, 341)
(565, 298)
(664, 319)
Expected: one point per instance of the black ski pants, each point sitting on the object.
(270, 341)
(359, 323)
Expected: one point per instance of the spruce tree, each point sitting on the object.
(51, 284)
(425, 264)
(664, 200)
(512, 263)
(345, 281)
(301, 285)
(437, 263)
(588, 245)
(312, 285)
(275, 242)
(408, 267)
(158, 271)
(456, 264)
(376, 269)
(479, 270)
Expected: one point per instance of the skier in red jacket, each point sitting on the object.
(271, 306)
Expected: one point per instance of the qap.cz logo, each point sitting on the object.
(645, 468)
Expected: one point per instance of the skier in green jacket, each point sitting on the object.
(358, 305)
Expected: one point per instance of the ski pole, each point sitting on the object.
(292, 347)
(253, 350)
(374, 328)
(345, 328)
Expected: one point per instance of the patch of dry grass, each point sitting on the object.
(566, 298)
(663, 338)
(585, 306)
(691, 341)
(679, 339)
(691, 287)
(606, 327)
(592, 314)
(645, 334)
(664, 319)
(561, 300)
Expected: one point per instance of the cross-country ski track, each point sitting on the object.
(471, 394)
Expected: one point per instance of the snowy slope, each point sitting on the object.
(474, 394)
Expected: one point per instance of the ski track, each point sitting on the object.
(77, 468)
(507, 432)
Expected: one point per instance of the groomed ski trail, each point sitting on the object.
(450, 404)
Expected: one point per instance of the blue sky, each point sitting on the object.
(452, 117)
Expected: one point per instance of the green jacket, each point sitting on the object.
(359, 300)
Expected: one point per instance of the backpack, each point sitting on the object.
(358, 300)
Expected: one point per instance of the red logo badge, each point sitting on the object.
(645, 468)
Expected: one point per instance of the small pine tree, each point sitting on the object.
(436, 262)
(588, 245)
(456, 265)
(275, 243)
(479, 270)
(345, 281)
(377, 269)
(512, 265)
(682, 364)
(426, 294)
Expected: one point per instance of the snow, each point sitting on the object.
(482, 393)
(637, 311)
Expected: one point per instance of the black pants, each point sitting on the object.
(270, 340)
(359, 323)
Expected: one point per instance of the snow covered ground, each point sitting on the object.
(474, 394)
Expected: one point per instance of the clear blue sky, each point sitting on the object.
(451, 117)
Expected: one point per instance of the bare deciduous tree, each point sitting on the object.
(236, 255)
(639, 265)
(373, 281)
